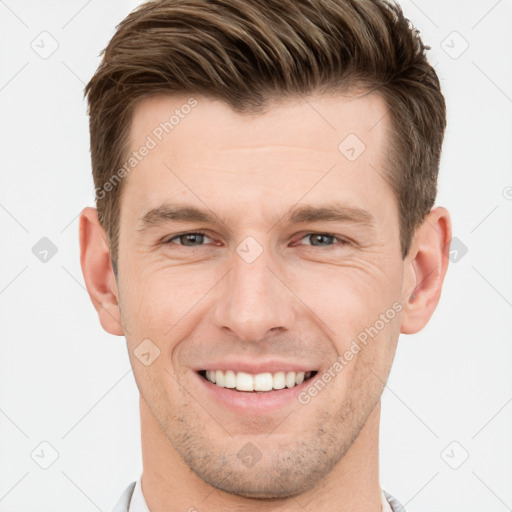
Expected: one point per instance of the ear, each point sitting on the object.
(426, 266)
(98, 273)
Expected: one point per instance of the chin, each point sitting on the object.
(272, 489)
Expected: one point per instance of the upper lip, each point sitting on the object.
(255, 367)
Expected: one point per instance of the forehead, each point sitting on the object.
(314, 122)
(202, 149)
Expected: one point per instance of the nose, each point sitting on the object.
(254, 299)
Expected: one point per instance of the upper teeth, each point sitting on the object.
(260, 382)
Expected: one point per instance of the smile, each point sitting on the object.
(260, 382)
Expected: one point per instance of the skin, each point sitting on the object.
(302, 299)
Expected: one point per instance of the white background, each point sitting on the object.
(65, 381)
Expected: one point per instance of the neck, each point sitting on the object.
(169, 484)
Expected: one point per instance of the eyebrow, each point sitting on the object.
(332, 212)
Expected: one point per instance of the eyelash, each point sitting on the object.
(342, 241)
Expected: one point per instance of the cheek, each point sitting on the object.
(162, 295)
(163, 306)
(348, 297)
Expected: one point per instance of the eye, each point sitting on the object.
(197, 238)
(192, 239)
(322, 239)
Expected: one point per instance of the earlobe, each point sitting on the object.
(97, 271)
(427, 264)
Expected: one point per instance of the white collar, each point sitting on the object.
(386, 507)
(138, 503)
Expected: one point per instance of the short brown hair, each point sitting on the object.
(249, 52)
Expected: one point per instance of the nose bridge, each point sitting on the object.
(253, 299)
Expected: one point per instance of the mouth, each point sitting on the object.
(266, 382)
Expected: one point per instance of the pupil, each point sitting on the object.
(193, 238)
(319, 237)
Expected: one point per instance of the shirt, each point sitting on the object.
(133, 500)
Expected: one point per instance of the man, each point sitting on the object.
(265, 176)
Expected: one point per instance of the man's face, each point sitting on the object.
(261, 290)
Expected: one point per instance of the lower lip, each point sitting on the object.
(252, 402)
